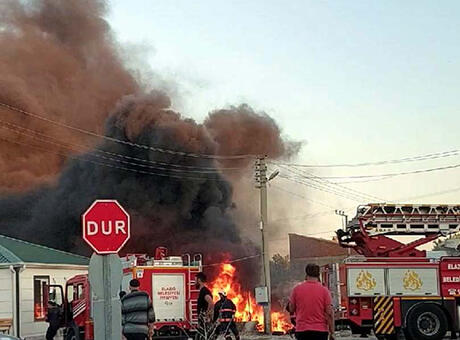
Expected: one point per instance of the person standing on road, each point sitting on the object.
(137, 315)
(311, 303)
(205, 305)
(53, 317)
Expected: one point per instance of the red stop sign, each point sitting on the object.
(106, 226)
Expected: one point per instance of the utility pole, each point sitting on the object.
(261, 184)
(344, 226)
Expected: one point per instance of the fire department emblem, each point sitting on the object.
(412, 281)
(365, 281)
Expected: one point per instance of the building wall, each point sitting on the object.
(301, 247)
(29, 327)
(6, 293)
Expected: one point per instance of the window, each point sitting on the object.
(79, 292)
(39, 303)
(70, 293)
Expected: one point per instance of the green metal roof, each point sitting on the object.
(17, 251)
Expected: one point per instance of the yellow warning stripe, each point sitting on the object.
(383, 315)
(383, 306)
(383, 309)
(378, 301)
(385, 322)
(384, 319)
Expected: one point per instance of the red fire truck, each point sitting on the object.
(391, 285)
(169, 280)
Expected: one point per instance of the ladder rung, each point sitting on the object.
(375, 228)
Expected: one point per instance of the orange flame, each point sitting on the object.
(246, 307)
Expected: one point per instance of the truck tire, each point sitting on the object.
(426, 321)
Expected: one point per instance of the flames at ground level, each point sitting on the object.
(246, 307)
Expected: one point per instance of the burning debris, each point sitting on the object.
(247, 308)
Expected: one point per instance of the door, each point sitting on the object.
(413, 281)
(77, 302)
(53, 297)
(168, 297)
(365, 281)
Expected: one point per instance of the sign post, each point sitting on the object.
(106, 228)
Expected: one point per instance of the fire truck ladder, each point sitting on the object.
(367, 233)
(193, 268)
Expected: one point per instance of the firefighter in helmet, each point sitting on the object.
(224, 313)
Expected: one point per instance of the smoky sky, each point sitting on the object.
(64, 64)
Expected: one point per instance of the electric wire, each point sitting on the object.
(232, 261)
(310, 185)
(436, 193)
(302, 196)
(304, 217)
(425, 157)
(329, 184)
(80, 158)
(125, 142)
(326, 185)
(51, 140)
(395, 174)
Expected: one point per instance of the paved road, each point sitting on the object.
(287, 337)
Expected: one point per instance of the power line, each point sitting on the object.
(395, 174)
(320, 179)
(377, 179)
(125, 142)
(425, 157)
(310, 185)
(232, 261)
(326, 185)
(304, 217)
(92, 154)
(303, 197)
(80, 158)
(299, 180)
(436, 193)
(305, 234)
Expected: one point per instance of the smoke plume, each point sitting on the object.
(58, 59)
(62, 64)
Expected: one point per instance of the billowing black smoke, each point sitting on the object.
(178, 206)
(63, 64)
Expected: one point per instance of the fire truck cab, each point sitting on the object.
(169, 280)
(392, 286)
(74, 303)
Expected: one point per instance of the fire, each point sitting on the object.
(246, 307)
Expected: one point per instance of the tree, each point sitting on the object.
(440, 244)
(279, 269)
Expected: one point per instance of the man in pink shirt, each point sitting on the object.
(312, 305)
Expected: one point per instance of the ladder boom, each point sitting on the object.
(405, 219)
(367, 232)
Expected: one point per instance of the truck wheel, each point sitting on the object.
(426, 321)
